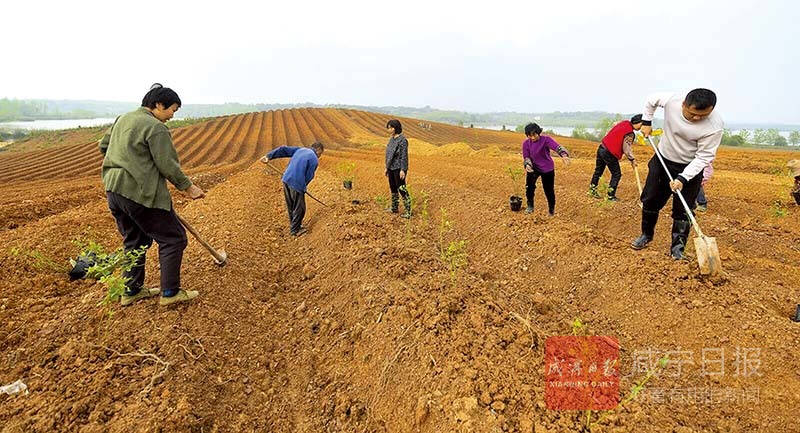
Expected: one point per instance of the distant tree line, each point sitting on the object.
(760, 137)
(11, 110)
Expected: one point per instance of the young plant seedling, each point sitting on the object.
(345, 170)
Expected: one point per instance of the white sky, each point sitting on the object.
(528, 56)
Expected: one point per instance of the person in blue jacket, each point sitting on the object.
(299, 173)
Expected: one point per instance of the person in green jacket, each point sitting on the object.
(139, 158)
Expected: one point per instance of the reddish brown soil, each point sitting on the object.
(357, 326)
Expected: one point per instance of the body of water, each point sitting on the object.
(57, 124)
(566, 131)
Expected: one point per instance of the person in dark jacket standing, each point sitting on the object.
(139, 158)
(617, 141)
(538, 163)
(298, 174)
(397, 166)
(692, 134)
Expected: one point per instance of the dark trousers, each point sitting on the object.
(548, 183)
(395, 183)
(606, 159)
(656, 191)
(701, 196)
(295, 206)
(140, 226)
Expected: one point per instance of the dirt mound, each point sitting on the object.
(360, 326)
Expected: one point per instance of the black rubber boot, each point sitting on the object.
(680, 232)
(593, 192)
(649, 220)
(395, 203)
(407, 204)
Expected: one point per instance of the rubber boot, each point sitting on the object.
(649, 220)
(395, 203)
(680, 232)
(612, 194)
(529, 209)
(407, 204)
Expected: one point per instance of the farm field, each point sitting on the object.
(359, 326)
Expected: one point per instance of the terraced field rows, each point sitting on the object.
(240, 139)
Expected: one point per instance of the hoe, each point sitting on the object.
(220, 257)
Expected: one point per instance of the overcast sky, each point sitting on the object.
(526, 56)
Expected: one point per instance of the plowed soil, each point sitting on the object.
(359, 326)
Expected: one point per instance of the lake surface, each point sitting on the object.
(57, 124)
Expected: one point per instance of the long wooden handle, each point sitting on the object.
(638, 179)
(196, 235)
(688, 210)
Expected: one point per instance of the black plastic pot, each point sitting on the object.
(348, 184)
(515, 203)
(797, 314)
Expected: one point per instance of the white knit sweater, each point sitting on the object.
(685, 142)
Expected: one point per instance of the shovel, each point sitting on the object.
(705, 247)
(220, 257)
(638, 184)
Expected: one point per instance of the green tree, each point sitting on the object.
(581, 132)
(794, 137)
(759, 136)
(781, 141)
(772, 135)
(605, 124)
(730, 139)
(745, 134)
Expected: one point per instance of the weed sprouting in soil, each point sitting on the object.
(445, 225)
(783, 196)
(411, 204)
(424, 198)
(634, 392)
(454, 254)
(382, 201)
(38, 260)
(779, 209)
(605, 191)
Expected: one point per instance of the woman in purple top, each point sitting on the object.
(538, 163)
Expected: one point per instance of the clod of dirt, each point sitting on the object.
(541, 304)
(422, 410)
(465, 408)
(308, 272)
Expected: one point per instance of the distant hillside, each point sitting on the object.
(15, 110)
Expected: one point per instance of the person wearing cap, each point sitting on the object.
(794, 168)
(692, 134)
(617, 141)
(139, 158)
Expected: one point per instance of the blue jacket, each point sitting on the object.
(301, 167)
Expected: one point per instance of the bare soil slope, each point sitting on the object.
(359, 326)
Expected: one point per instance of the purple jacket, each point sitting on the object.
(538, 152)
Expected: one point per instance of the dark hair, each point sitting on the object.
(532, 128)
(394, 123)
(160, 94)
(318, 146)
(636, 119)
(701, 99)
